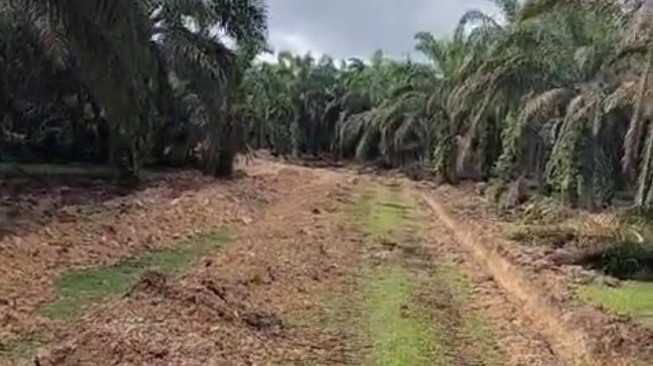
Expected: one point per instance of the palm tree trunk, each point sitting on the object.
(225, 164)
(445, 156)
(633, 136)
(645, 178)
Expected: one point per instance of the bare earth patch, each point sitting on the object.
(322, 267)
(86, 233)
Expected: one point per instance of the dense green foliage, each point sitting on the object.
(557, 92)
(129, 82)
(554, 91)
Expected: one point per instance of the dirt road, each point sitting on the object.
(334, 268)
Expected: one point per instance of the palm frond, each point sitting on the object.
(477, 17)
(509, 9)
(545, 106)
(536, 8)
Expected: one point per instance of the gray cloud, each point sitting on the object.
(345, 28)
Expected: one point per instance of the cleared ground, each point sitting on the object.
(284, 266)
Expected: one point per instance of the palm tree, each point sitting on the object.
(638, 42)
(207, 68)
(499, 71)
(542, 92)
(126, 52)
(451, 60)
(394, 128)
(545, 133)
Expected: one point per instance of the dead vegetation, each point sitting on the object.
(83, 231)
(230, 307)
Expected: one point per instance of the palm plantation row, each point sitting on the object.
(553, 91)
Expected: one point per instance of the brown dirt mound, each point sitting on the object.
(164, 321)
(213, 298)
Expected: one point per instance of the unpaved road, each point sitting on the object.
(334, 269)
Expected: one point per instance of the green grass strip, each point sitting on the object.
(78, 288)
(379, 214)
(631, 298)
(398, 338)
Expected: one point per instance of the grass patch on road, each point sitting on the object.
(404, 308)
(399, 335)
(473, 331)
(412, 317)
(413, 309)
(379, 213)
(79, 288)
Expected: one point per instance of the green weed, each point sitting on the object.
(78, 288)
(379, 213)
(632, 298)
(398, 337)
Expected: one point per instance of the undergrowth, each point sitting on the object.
(631, 298)
(619, 246)
(627, 260)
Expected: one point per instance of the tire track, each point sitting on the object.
(570, 344)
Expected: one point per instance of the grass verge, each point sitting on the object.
(632, 298)
(613, 248)
(79, 288)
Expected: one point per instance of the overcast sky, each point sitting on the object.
(348, 28)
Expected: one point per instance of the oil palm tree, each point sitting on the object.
(638, 43)
(503, 69)
(544, 133)
(452, 59)
(126, 52)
